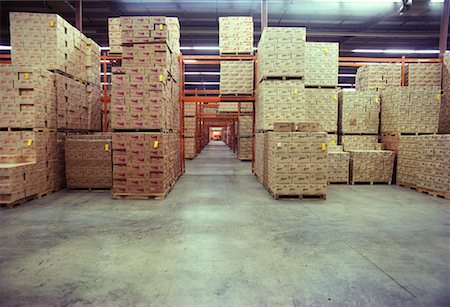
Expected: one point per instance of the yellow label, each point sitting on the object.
(324, 146)
(332, 142)
(161, 78)
(161, 27)
(377, 100)
(30, 142)
(26, 76)
(438, 97)
(106, 147)
(52, 23)
(325, 50)
(295, 90)
(155, 144)
(335, 97)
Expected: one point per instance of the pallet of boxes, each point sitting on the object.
(190, 136)
(51, 88)
(410, 122)
(291, 158)
(145, 109)
(359, 113)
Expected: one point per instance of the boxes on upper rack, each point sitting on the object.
(236, 35)
(360, 142)
(424, 74)
(289, 101)
(360, 112)
(48, 41)
(88, 161)
(189, 148)
(424, 162)
(245, 126)
(281, 52)
(280, 101)
(371, 165)
(145, 164)
(115, 35)
(321, 64)
(297, 163)
(444, 115)
(190, 109)
(27, 97)
(236, 77)
(378, 77)
(244, 148)
(338, 166)
(321, 105)
(230, 107)
(189, 126)
(410, 110)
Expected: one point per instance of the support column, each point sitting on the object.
(79, 15)
(444, 28)
(264, 15)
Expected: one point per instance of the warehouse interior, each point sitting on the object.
(204, 153)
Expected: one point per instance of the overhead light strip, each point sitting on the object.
(396, 51)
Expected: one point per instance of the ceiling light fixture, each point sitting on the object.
(395, 51)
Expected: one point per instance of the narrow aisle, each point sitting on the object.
(217, 159)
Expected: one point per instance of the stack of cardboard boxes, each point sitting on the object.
(35, 102)
(115, 35)
(233, 107)
(236, 35)
(190, 111)
(245, 140)
(145, 99)
(378, 77)
(371, 166)
(444, 115)
(88, 161)
(423, 163)
(297, 163)
(236, 77)
(424, 74)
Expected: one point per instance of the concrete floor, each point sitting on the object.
(220, 239)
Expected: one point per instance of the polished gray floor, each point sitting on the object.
(220, 239)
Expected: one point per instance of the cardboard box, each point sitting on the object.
(371, 165)
(360, 142)
(410, 110)
(359, 112)
(236, 77)
(321, 64)
(284, 127)
(338, 167)
(308, 127)
(424, 74)
(236, 35)
(244, 148)
(378, 77)
(88, 161)
(245, 126)
(281, 52)
(297, 163)
(189, 148)
(444, 114)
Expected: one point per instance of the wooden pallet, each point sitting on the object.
(89, 189)
(283, 78)
(369, 182)
(338, 182)
(300, 197)
(225, 95)
(408, 186)
(321, 86)
(21, 201)
(237, 54)
(407, 133)
(434, 193)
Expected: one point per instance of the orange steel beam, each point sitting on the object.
(181, 105)
(204, 92)
(216, 98)
(403, 71)
(106, 99)
(219, 57)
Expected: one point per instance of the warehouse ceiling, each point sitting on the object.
(355, 24)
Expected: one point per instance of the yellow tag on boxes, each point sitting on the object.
(106, 147)
(155, 144)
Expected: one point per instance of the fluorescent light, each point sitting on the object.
(345, 84)
(437, 1)
(346, 75)
(368, 50)
(202, 73)
(396, 51)
(5, 47)
(104, 48)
